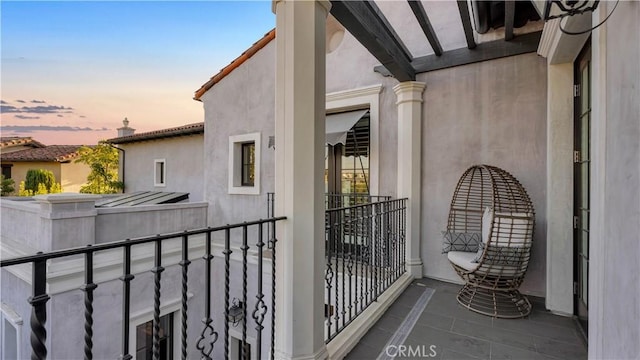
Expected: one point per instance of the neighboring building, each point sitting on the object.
(162, 160)
(15, 143)
(59, 159)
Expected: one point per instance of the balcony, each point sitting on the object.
(208, 294)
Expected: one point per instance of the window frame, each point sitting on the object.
(235, 169)
(163, 174)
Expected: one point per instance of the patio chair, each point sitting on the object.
(488, 241)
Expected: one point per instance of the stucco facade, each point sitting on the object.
(183, 157)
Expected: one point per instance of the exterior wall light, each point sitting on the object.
(236, 312)
(561, 8)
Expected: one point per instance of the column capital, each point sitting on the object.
(326, 4)
(409, 91)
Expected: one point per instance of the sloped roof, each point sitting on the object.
(10, 141)
(189, 129)
(57, 153)
(235, 63)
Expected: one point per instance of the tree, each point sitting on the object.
(103, 161)
(39, 181)
(7, 186)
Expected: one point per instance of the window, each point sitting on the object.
(144, 339)
(347, 166)
(244, 164)
(248, 163)
(236, 346)
(10, 324)
(160, 172)
(6, 171)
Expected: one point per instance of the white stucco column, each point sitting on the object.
(300, 113)
(559, 297)
(409, 104)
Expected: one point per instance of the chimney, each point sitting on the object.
(125, 130)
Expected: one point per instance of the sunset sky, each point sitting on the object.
(72, 71)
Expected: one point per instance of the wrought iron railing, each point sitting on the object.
(209, 334)
(334, 201)
(365, 247)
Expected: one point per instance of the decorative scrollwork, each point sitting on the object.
(206, 347)
(259, 312)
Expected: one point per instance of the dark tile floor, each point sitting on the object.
(457, 333)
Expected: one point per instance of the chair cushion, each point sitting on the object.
(460, 241)
(464, 259)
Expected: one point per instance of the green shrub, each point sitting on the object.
(38, 182)
(7, 186)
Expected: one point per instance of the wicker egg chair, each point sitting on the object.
(491, 202)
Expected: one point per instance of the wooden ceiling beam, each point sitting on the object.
(425, 24)
(522, 44)
(368, 25)
(509, 16)
(463, 8)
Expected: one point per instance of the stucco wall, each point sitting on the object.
(121, 223)
(614, 280)
(242, 103)
(184, 159)
(492, 113)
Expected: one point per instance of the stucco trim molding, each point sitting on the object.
(558, 47)
(362, 98)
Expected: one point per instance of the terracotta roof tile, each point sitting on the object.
(190, 129)
(58, 153)
(235, 63)
(9, 141)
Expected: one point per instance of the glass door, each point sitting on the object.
(582, 172)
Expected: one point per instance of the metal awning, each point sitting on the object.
(338, 125)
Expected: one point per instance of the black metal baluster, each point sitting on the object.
(343, 236)
(337, 234)
(273, 287)
(404, 234)
(378, 251)
(207, 321)
(328, 276)
(359, 265)
(396, 242)
(244, 249)
(352, 237)
(227, 262)
(126, 298)
(39, 310)
(185, 267)
(88, 288)
(261, 309)
(157, 271)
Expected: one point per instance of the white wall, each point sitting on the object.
(614, 294)
(493, 113)
(241, 103)
(184, 159)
